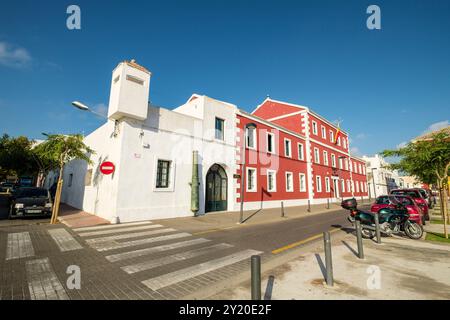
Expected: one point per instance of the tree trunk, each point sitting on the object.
(57, 201)
(443, 203)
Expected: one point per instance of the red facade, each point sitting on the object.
(328, 170)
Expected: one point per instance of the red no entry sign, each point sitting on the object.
(107, 167)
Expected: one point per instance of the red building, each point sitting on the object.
(294, 155)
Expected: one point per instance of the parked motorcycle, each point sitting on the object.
(391, 221)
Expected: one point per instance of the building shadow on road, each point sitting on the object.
(269, 288)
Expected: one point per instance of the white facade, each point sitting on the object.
(380, 176)
(135, 146)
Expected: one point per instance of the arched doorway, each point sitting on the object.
(216, 189)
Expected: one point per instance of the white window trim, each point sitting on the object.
(302, 155)
(172, 167)
(331, 136)
(314, 128)
(318, 183)
(292, 181)
(223, 132)
(333, 160)
(273, 142)
(255, 140)
(327, 184)
(302, 188)
(343, 185)
(325, 157)
(274, 180)
(324, 132)
(256, 179)
(348, 185)
(316, 160)
(290, 147)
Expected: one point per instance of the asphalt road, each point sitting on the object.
(277, 235)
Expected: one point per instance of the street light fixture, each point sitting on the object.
(243, 182)
(83, 107)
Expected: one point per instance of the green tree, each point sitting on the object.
(58, 150)
(16, 156)
(429, 161)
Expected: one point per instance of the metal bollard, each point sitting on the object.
(309, 206)
(328, 203)
(328, 259)
(282, 209)
(256, 277)
(377, 228)
(359, 239)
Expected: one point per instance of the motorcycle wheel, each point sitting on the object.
(413, 230)
(367, 233)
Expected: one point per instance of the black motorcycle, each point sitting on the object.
(392, 221)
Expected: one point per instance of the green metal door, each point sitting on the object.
(216, 189)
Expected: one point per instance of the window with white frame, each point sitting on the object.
(318, 184)
(251, 137)
(327, 184)
(325, 158)
(339, 141)
(251, 179)
(351, 167)
(344, 141)
(357, 186)
(316, 155)
(270, 142)
(314, 127)
(324, 132)
(331, 136)
(364, 169)
(302, 182)
(289, 182)
(353, 186)
(360, 168)
(362, 186)
(301, 151)
(346, 163)
(287, 148)
(343, 185)
(219, 126)
(333, 160)
(340, 163)
(348, 185)
(271, 180)
(163, 174)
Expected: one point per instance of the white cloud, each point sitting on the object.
(402, 144)
(437, 126)
(13, 56)
(355, 151)
(361, 136)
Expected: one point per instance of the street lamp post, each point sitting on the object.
(243, 173)
(84, 107)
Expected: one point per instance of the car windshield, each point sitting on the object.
(423, 193)
(411, 193)
(31, 192)
(382, 200)
(404, 200)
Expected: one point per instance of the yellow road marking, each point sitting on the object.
(296, 244)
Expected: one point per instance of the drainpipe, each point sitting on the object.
(195, 184)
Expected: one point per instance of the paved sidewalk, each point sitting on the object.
(75, 218)
(409, 269)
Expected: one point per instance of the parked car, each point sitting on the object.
(431, 199)
(386, 201)
(28, 202)
(416, 196)
(7, 187)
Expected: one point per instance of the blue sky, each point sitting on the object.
(387, 85)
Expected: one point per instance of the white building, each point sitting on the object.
(380, 176)
(137, 136)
